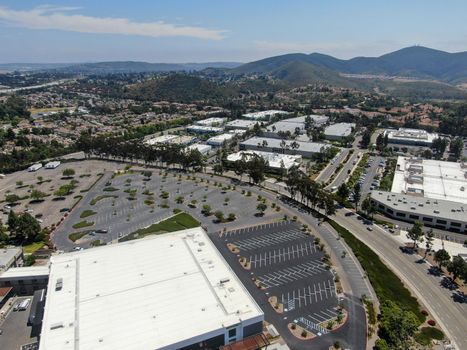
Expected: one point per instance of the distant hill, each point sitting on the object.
(178, 88)
(416, 61)
(142, 67)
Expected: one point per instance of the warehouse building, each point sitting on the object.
(410, 137)
(293, 126)
(305, 149)
(52, 165)
(169, 140)
(276, 161)
(240, 124)
(431, 179)
(25, 280)
(219, 140)
(200, 129)
(10, 257)
(201, 148)
(339, 131)
(171, 291)
(438, 213)
(211, 122)
(263, 115)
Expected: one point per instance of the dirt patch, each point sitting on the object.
(233, 248)
(300, 332)
(278, 307)
(245, 263)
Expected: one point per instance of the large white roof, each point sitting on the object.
(431, 179)
(153, 292)
(274, 159)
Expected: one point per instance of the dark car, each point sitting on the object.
(350, 213)
(101, 231)
(64, 210)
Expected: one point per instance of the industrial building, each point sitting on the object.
(276, 161)
(201, 148)
(305, 149)
(339, 131)
(293, 125)
(430, 191)
(25, 280)
(52, 165)
(200, 129)
(10, 257)
(410, 137)
(219, 140)
(171, 291)
(35, 167)
(211, 122)
(263, 115)
(438, 213)
(240, 124)
(169, 139)
(431, 179)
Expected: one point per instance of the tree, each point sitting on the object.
(219, 216)
(37, 195)
(457, 267)
(206, 210)
(416, 233)
(396, 325)
(261, 207)
(256, 167)
(68, 172)
(367, 206)
(231, 217)
(12, 222)
(357, 194)
(28, 229)
(343, 191)
(12, 198)
(429, 237)
(442, 257)
(456, 147)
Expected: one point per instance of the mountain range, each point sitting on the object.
(413, 62)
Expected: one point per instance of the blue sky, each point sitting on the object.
(223, 30)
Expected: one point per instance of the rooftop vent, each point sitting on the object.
(56, 325)
(224, 280)
(59, 284)
(436, 211)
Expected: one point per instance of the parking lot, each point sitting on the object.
(281, 261)
(15, 331)
(119, 205)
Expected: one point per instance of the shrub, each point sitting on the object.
(304, 333)
(431, 322)
(293, 326)
(424, 312)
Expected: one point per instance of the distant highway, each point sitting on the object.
(52, 83)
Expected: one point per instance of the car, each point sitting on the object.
(37, 216)
(7, 207)
(359, 217)
(350, 213)
(102, 231)
(64, 210)
(369, 228)
(28, 210)
(40, 221)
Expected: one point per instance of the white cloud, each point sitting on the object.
(57, 18)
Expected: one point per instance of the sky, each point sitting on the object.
(33, 31)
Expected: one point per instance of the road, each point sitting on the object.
(344, 173)
(438, 300)
(327, 172)
(52, 83)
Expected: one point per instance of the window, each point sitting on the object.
(457, 224)
(427, 219)
(443, 222)
(390, 211)
(415, 217)
(402, 215)
(232, 332)
(381, 206)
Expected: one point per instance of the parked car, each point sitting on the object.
(64, 210)
(101, 231)
(369, 228)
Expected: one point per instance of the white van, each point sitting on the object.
(24, 304)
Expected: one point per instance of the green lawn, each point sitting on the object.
(110, 189)
(426, 334)
(83, 224)
(87, 213)
(99, 198)
(385, 283)
(177, 222)
(31, 248)
(77, 235)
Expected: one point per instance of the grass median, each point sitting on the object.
(385, 282)
(177, 222)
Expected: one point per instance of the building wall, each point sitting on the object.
(252, 329)
(246, 147)
(427, 220)
(25, 285)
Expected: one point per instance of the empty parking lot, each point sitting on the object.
(281, 260)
